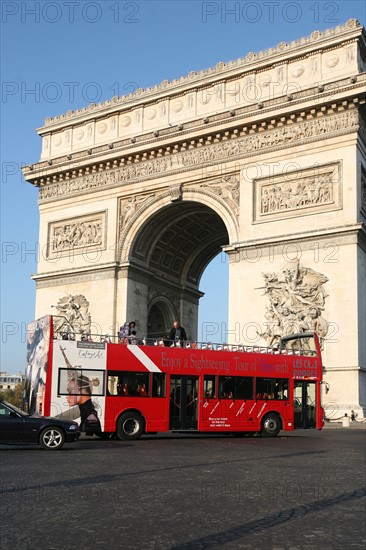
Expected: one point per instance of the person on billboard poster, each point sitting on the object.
(79, 391)
(35, 380)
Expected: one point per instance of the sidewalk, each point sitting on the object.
(352, 426)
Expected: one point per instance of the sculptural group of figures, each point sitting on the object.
(296, 303)
(72, 316)
(306, 192)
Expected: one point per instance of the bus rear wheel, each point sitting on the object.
(130, 426)
(271, 425)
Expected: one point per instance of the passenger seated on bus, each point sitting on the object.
(141, 390)
(122, 389)
(194, 345)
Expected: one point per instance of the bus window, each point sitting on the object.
(158, 384)
(128, 383)
(272, 388)
(209, 387)
(226, 387)
(244, 387)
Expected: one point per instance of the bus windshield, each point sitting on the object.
(301, 344)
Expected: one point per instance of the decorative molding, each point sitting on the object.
(255, 139)
(363, 190)
(316, 37)
(298, 193)
(175, 192)
(296, 301)
(77, 234)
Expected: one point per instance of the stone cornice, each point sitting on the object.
(358, 231)
(83, 270)
(245, 141)
(351, 88)
(330, 37)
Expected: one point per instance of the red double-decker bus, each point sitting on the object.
(130, 389)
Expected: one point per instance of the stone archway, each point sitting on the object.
(166, 260)
(159, 316)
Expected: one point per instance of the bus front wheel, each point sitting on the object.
(130, 426)
(271, 425)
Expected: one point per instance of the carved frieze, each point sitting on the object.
(76, 234)
(296, 298)
(240, 147)
(298, 192)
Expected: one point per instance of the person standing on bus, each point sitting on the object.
(132, 332)
(127, 332)
(177, 334)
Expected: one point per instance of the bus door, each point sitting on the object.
(304, 404)
(183, 402)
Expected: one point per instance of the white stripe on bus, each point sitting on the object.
(143, 358)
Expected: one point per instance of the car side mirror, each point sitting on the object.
(13, 414)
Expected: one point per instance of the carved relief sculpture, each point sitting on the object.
(72, 316)
(296, 303)
(129, 207)
(84, 232)
(298, 192)
(228, 189)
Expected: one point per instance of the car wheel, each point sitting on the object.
(130, 426)
(52, 438)
(271, 425)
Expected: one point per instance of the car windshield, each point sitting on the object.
(15, 408)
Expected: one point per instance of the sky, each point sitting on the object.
(107, 48)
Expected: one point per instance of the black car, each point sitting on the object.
(16, 426)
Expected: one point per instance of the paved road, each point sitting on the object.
(305, 490)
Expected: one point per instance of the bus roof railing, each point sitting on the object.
(277, 349)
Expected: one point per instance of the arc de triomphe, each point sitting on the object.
(262, 158)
